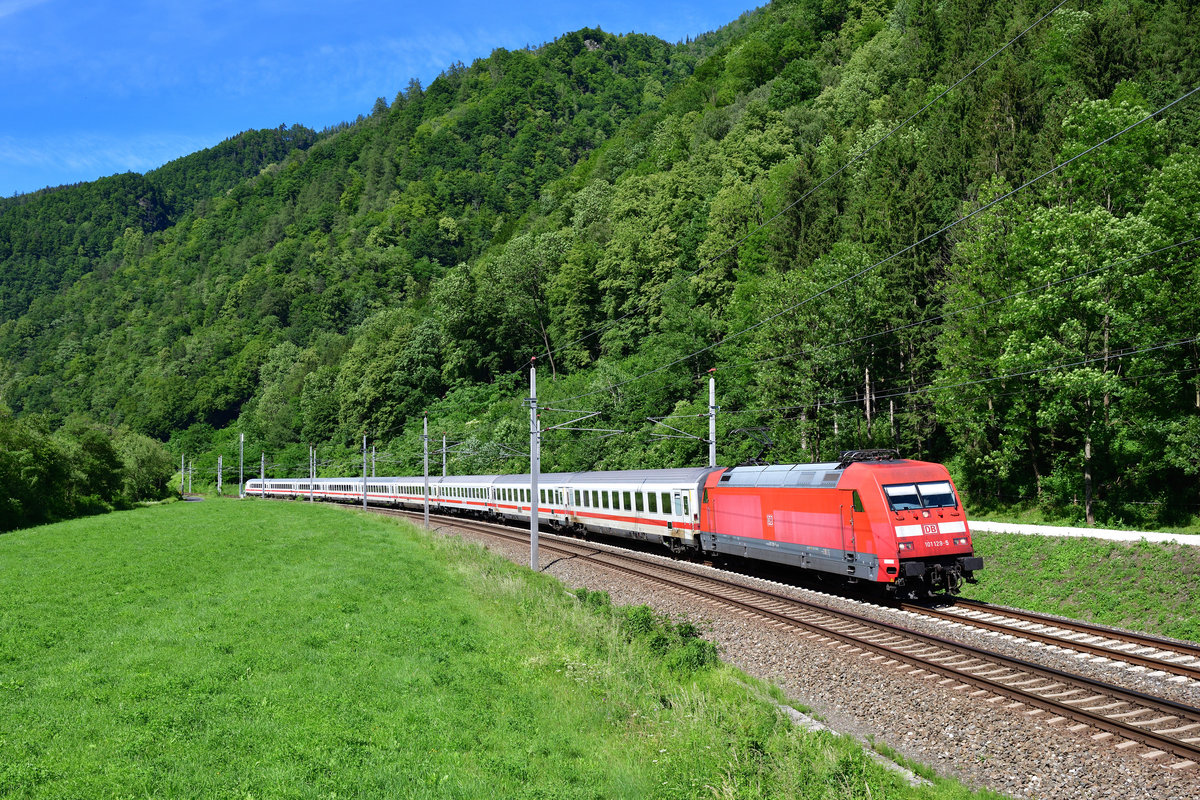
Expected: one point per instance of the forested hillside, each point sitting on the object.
(49, 239)
(634, 213)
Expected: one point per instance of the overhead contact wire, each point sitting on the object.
(957, 312)
(931, 387)
(894, 255)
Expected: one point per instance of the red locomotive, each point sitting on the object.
(870, 517)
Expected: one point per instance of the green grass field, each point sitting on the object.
(1137, 585)
(249, 649)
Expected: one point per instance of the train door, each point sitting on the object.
(706, 502)
(848, 504)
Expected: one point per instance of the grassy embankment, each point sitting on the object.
(1138, 585)
(281, 650)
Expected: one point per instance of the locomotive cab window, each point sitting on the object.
(937, 495)
(909, 496)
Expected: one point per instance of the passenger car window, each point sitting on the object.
(653, 500)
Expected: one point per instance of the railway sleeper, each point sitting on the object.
(1094, 709)
(1145, 723)
(1129, 715)
(1027, 683)
(994, 671)
(1058, 695)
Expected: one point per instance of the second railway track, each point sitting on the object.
(1142, 650)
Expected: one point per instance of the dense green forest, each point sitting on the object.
(634, 213)
(80, 469)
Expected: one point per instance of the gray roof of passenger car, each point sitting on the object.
(627, 476)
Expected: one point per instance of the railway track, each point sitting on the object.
(1127, 717)
(1137, 649)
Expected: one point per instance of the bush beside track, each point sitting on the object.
(1147, 587)
(285, 650)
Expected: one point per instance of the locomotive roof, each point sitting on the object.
(820, 476)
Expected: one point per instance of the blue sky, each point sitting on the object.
(89, 89)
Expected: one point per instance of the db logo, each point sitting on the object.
(929, 530)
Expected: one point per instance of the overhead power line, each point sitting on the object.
(933, 387)
(889, 258)
(956, 312)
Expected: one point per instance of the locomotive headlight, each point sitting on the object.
(961, 540)
(906, 546)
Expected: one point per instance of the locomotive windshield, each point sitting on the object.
(906, 496)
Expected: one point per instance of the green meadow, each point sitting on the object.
(261, 650)
(1137, 585)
